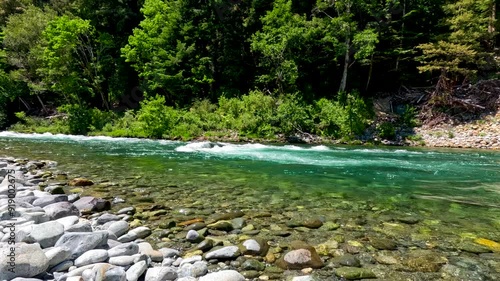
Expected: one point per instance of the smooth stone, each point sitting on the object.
(29, 260)
(345, 260)
(191, 259)
(56, 255)
(62, 266)
(60, 210)
(300, 258)
(255, 246)
(136, 233)
(126, 249)
(68, 221)
(169, 253)
(354, 273)
(80, 227)
(196, 226)
(205, 245)
(194, 237)
(46, 234)
(424, 261)
(382, 243)
(146, 249)
(238, 223)
(227, 252)
(136, 270)
(92, 256)
(196, 269)
(122, 260)
(473, 248)
(81, 242)
(92, 204)
(224, 275)
(54, 189)
(160, 274)
(118, 228)
(107, 218)
(115, 274)
(47, 200)
(221, 225)
(228, 216)
(127, 210)
(252, 264)
(312, 223)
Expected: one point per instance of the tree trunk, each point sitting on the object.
(343, 82)
(491, 24)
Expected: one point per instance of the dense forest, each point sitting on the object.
(250, 68)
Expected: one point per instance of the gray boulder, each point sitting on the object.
(27, 260)
(46, 234)
(81, 242)
(92, 256)
(227, 252)
(60, 210)
(161, 274)
(224, 275)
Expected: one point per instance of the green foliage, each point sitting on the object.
(345, 118)
(156, 117)
(386, 130)
(409, 116)
(293, 115)
(79, 118)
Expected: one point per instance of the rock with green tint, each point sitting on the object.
(221, 225)
(250, 274)
(329, 226)
(354, 273)
(469, 246)
(424, 261)
(256, 246)
(382, 243)
(345, 260)
(252, 264)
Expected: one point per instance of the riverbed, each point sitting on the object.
(402, 212)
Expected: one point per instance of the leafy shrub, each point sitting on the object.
(409, 116)
(344, 118)
(79, 118)
(293, 115)
(386, 130)
(156, 117)
(100, 118)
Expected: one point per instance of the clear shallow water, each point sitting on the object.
(461, 187)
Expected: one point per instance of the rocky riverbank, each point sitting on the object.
(48, 231)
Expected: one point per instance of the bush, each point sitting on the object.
(409, 116)
(293, 115)
(79, 118)
(342, 119)
(156, 117)
(386, 131)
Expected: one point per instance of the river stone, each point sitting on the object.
(54, 189)
(51, 199)
(115, 274)
(224, 275)
(104, 218)
(29, 261)
(81, 242)
(169, 253)
(80, 182)
(160, 274)
(68, 221)
(60, 210)
(57, 255)
(300, 258)
(221, 225)
(62, 266)
(139, 232)
(382, 243)
(424, 261)
(92, 204)
(80, 227)
(193, 236)
(118, 228)
(126, 249)
(345, 260)
(127, 211)
(354, 273)
(238, 223)
(92, 256)
(256, 246)
(227, 252)
(146, 249)
(196, 226)
(205, 245)
(252, 264)
(136, 270)
(122, 260)
(46, 234)
(471, 247)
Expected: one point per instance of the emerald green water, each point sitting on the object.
(459, 190)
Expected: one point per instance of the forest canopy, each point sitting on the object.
(181, 67)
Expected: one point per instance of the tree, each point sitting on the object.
(71, 60)
(278, 42)
(22, 37)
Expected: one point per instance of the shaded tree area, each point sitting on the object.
(94, 53)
